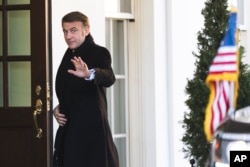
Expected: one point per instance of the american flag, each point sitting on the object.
(222, 79)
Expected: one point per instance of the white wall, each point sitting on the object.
(166, 37)
(94, 9)
(186, 22)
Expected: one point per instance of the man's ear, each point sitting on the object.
(87, 30)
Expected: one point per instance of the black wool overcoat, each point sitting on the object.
(86, 139)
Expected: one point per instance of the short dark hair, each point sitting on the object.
(76, 16)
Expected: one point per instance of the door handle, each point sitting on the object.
(38, 111)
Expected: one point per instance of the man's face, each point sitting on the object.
(74, 33)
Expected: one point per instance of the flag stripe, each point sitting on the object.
(225, 58)
(227, 48)
(223, 68)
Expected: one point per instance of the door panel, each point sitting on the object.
(1, 32)
(15, 138)
(19, 76)
(25, 120)
(18, 29)
(13, 2)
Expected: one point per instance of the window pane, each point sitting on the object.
(1, 35)
(19, 84)
(1, 84)
(19, 32)
(11, 2)
(125, 6)
(107, 34)
(119, 106)
(109, 106)
(118, 46)
(121, 148)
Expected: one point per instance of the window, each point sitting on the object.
(116, 41)
(118, 13)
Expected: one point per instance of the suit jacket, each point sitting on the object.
(86, 139)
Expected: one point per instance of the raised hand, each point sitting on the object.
(81, 68)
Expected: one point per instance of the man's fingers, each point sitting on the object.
(61, 123)
(60, 118)
(72, 72)
(78, 61)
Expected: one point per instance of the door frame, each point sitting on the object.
(44, 13)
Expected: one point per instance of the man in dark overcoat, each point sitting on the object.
(83, 138)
